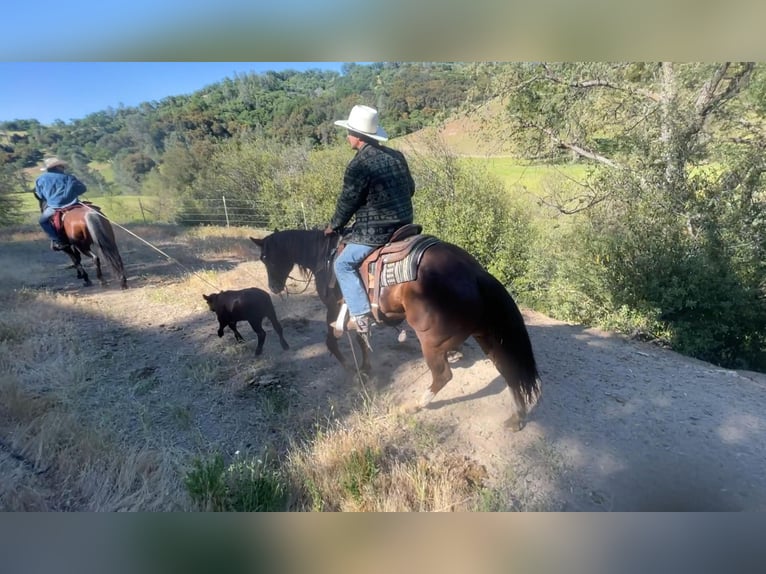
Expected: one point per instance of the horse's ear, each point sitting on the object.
(206, 297)
(276, 230)
(258, 242)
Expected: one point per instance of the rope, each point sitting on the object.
(307, 281)
(356, 365)
(157, 249)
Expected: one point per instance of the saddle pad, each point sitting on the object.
(406, 269)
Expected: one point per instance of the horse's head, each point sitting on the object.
(278, 266)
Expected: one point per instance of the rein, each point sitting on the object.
(307, 281)
(327, 252)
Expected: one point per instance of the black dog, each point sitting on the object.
(250, 305)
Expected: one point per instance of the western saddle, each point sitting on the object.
(395, 262)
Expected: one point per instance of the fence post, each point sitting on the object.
(141, 205)
(225, 211)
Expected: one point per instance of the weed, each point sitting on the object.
(492, 500)
(246, 485)
(204, 371)
(359, 471)
(274, 400)
(10, 333)
(145, 386)
(182, 415)
(206, 485)
(255, 486)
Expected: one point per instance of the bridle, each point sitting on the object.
(307, 281)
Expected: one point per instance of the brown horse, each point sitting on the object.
(89, 233)
(451, 298)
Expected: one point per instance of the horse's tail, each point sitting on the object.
(510, 338)
(103, 236)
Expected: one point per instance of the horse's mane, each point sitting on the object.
(308, 248)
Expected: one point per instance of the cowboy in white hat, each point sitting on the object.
(377, 192)
(58, 190)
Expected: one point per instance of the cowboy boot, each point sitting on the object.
(363, 329)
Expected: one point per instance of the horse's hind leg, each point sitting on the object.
(74, 255)
(518, 411)
(99, 275)
(441, 373)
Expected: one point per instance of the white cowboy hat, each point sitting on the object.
(364, 120)
(52, 162)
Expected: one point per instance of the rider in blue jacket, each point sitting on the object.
(58, 189)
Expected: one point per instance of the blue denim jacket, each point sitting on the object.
(59, 189)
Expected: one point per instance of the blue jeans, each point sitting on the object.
(347, 271)
(47, 225)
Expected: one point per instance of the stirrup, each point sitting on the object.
(339, 326)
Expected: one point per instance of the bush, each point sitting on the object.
(464, 205)
(632, 267)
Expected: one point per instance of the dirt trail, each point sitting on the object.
(622, 425)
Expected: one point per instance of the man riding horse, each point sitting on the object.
(377, 193)
(59, 190)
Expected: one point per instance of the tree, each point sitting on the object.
(674, 206)
(10, 185)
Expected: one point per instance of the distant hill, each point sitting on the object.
(475, 133)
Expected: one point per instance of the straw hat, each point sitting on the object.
(364, 120)
(52, 162)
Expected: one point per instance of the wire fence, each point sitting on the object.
(219, 211)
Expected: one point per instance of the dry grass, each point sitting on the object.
(369, 462)
(53, 463)
(107, 396)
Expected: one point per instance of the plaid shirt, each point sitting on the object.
(377, 190)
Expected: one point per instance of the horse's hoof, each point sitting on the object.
(411, 408)
(402, 337)
(454, 356)
(427, 397)
(88, 284)
(514, 423)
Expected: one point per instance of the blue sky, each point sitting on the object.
(47, 91)
(395, 30)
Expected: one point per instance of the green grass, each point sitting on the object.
(246, 485)
(105, 169)
(516, 173)
(359, 471)
(518, 176)
(119, 208)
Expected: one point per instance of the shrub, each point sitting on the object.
(464, 205)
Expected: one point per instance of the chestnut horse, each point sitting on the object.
(451, 298)
(89, 233)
